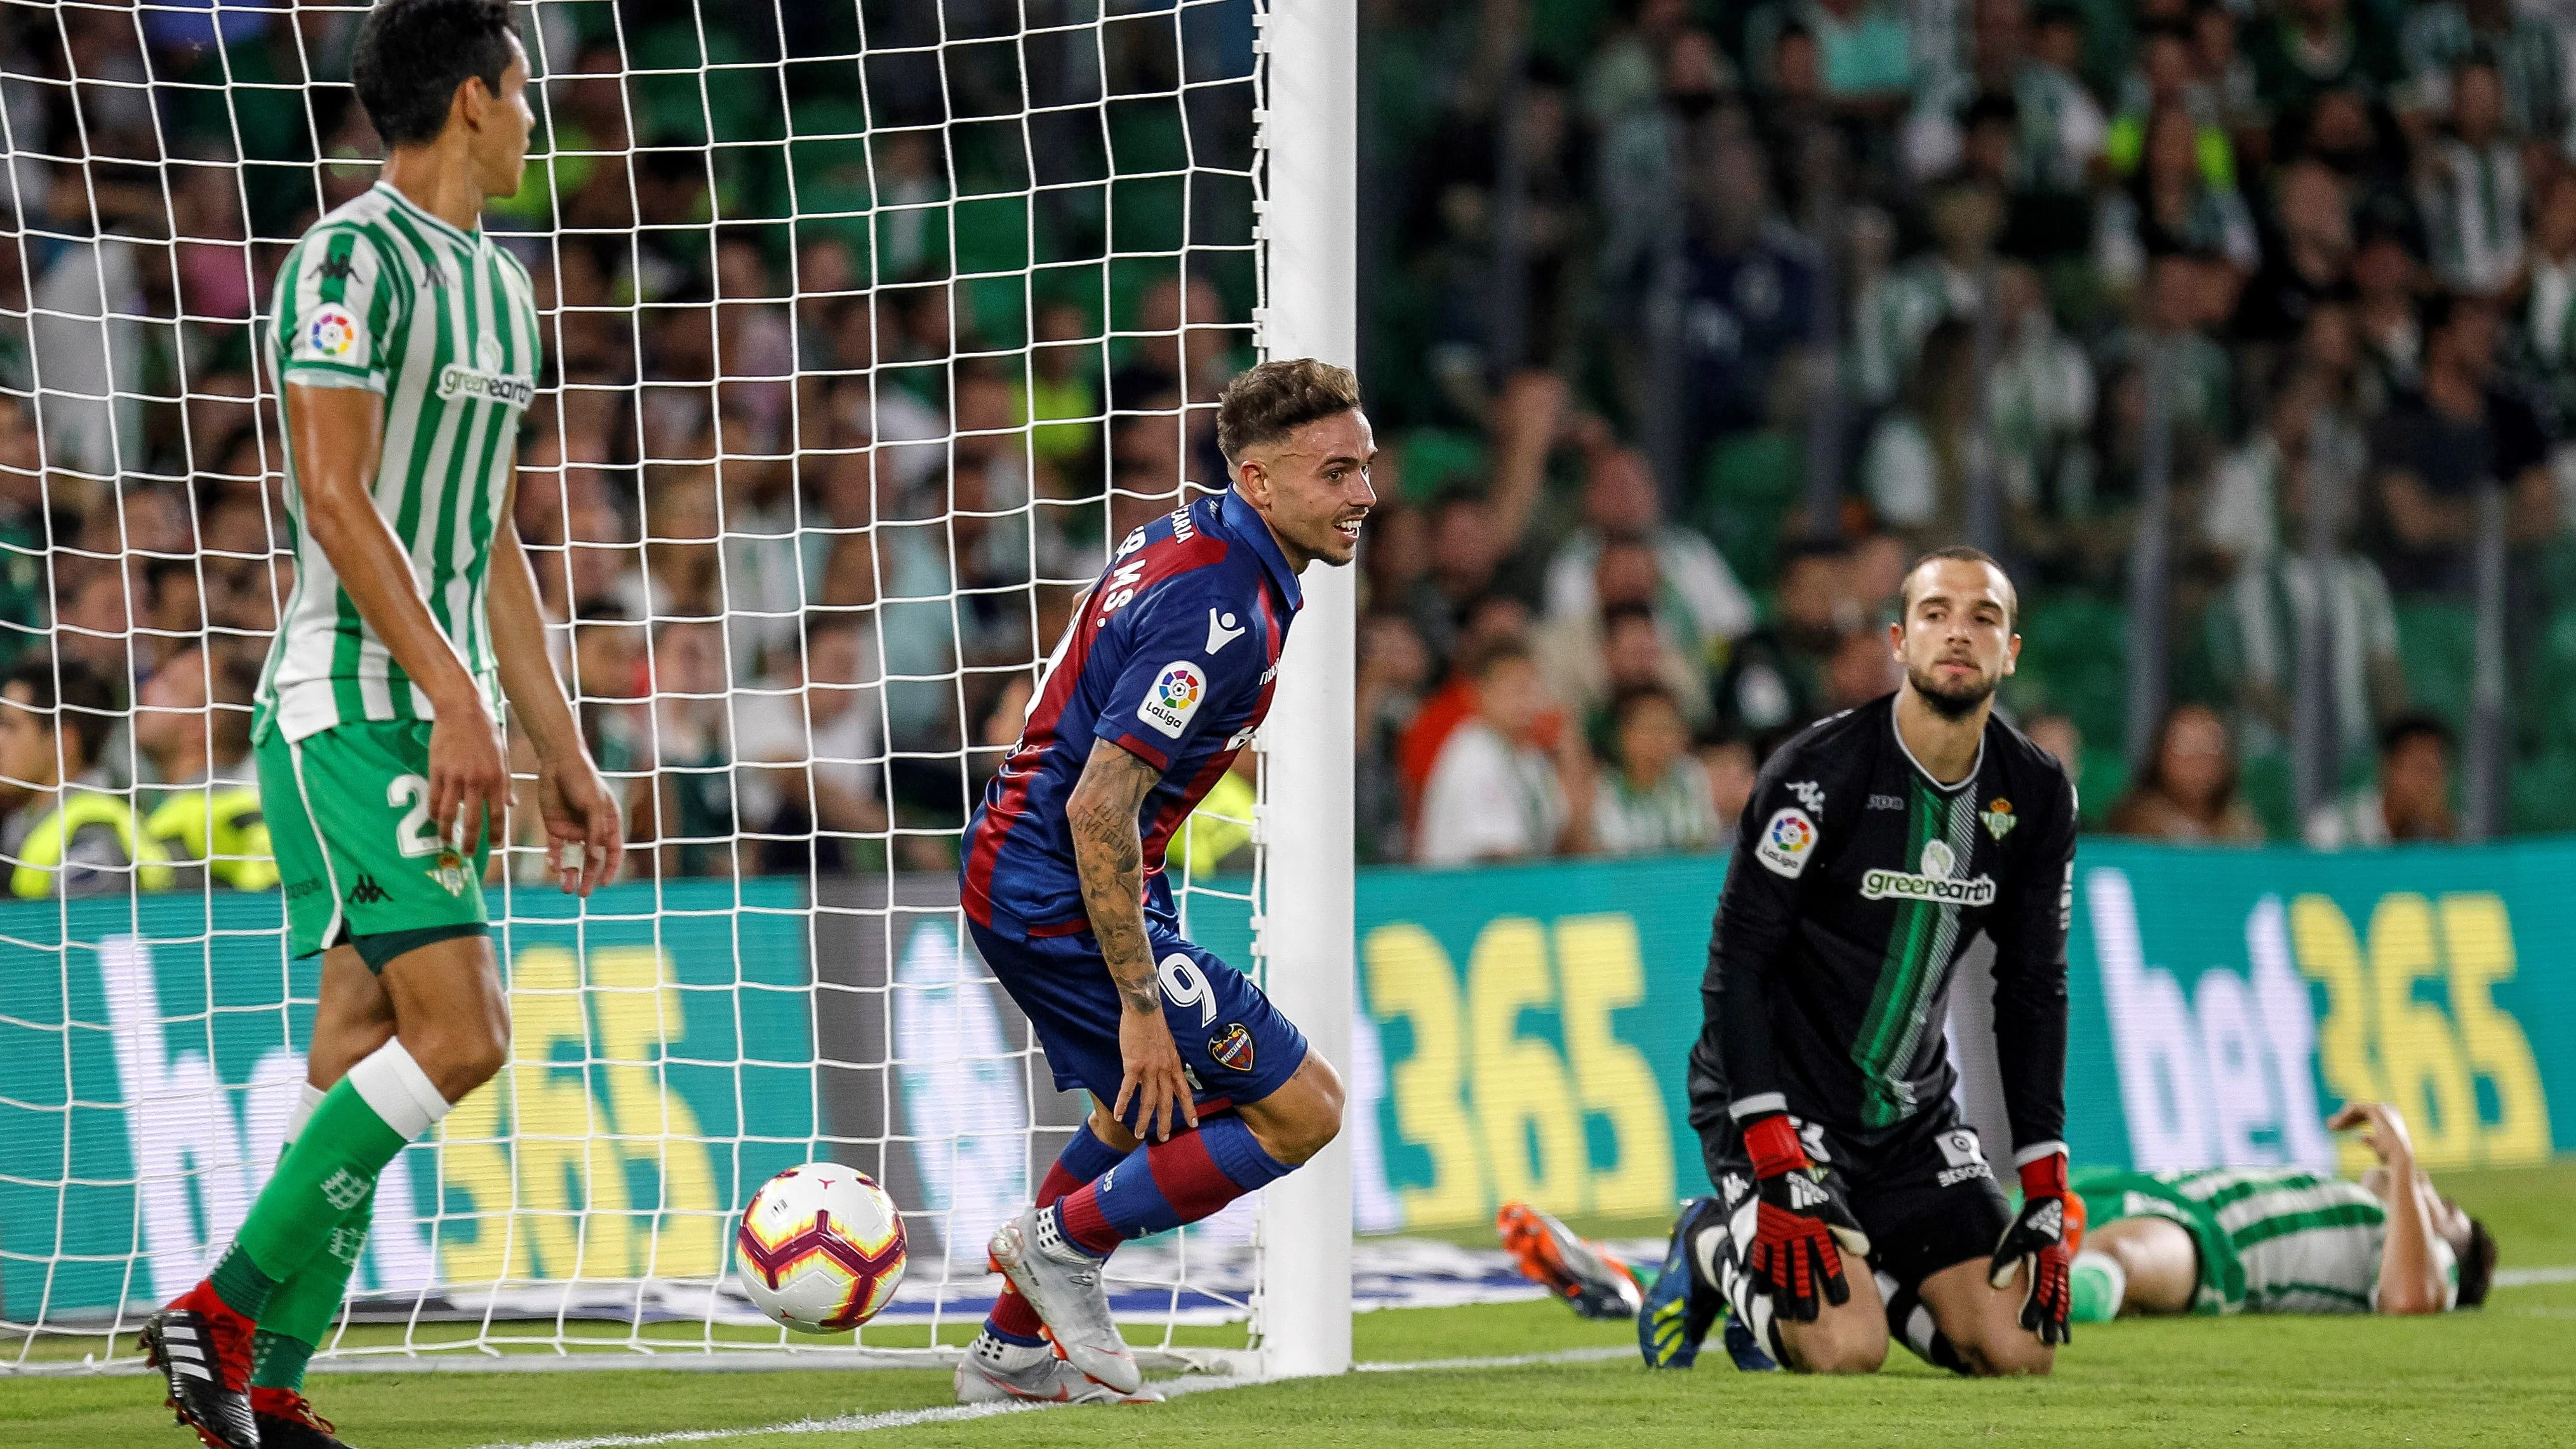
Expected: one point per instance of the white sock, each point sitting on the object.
(398, 1090)
(2114, 1277)
(302, 1114)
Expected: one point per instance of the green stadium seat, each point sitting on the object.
(2437, 645)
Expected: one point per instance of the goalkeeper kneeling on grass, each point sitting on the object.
(2281, 1239)
(1853, 1206)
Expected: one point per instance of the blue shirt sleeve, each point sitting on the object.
(1192, 665)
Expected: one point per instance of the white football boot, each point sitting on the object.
(1062, 1283)
(993, 1371)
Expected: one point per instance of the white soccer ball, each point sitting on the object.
(820, 1248)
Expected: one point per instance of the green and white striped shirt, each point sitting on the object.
(2309, 1243)
(382, 295)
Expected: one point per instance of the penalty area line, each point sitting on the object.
(960, 1413)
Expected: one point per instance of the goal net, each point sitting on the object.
(868, 330)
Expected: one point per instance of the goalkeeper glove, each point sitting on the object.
(2038, 1235)
(1801, 1227)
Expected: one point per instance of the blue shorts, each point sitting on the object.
(1235, 1045)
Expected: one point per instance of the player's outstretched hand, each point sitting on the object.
(2037, 1236)
(1154, 1080)
(468, 774)
(2382, 1130)
(585, 839)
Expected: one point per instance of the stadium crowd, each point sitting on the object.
(833, 428)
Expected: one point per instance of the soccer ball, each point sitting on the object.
(820, 1248)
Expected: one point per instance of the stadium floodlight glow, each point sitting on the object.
(865, 338)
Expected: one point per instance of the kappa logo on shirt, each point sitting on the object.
(1175, 697)
(1222, 631)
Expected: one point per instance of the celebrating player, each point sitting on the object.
(407, 344)
(1160, 679)
(2281, 1240)
(1851, 1202)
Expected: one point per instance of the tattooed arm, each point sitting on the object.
(1109, 854)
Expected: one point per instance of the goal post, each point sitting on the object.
(1309, 234)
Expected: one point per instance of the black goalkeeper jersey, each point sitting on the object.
(1856, 883)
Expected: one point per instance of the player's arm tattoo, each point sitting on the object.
(1109, 855)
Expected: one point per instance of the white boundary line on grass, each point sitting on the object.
(960, 1413)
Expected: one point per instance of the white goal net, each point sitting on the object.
(867, 328)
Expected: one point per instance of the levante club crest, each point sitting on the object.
(1233, 1049)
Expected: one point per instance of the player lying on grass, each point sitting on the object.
(407, 344)
(2282, 1239)
(1878, 844)
(1201, 1091)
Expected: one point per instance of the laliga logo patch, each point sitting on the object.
(1232, 1048)
(333, 333)
(1175, 697)
(1786, 843)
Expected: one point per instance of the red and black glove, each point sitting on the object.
(1802, 1226)
(2038, 1234)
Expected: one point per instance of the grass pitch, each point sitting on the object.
(2501, 1376)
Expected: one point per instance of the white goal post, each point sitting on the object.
(1309, 232)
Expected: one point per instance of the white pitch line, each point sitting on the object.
(2533, 1277)
(959, 1413)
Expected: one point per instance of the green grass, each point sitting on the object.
(2500, 1376)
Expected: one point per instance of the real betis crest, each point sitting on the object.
(1998, 816)
(450, 871)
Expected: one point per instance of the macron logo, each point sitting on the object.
(1221, 631)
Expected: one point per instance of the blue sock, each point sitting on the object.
(1181, 1181)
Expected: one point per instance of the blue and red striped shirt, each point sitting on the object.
(1172, 657)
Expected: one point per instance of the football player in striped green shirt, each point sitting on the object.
(406, 346)
(2281, 1239)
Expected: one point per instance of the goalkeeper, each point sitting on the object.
(1852, 1203)
(407, 345)
(2281, 1240)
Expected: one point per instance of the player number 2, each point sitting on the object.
(415, 835)
(1187, 986)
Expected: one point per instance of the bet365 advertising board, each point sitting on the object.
(1523, 1034)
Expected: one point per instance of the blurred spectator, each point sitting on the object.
(2529, 55)
(2187, 790)
(1478, 543)
(1495, 619)
(2470, 186)
(810, 730)
(1655, 798)
(2309, 47)
(1588, 662)
(2300, 432)
(2305, 258)
(2171, 206)
(192, 722)
(2168, 77)
(1494, 794)
(1775, 676)
(1895, 313)
(2278, 594)
(2059, 735)
(1684, 578)
(1915, 472)
(1864, 50)
(2412, 800)
(693, 814)
(1394, 671)
(61, 833)
(1748, 296)
(1863, 667)
(2550, 303)
(1729, 767)
(2438, 446)
(1625, 74)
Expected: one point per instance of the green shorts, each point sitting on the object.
(2111, 1194)
(348, 814)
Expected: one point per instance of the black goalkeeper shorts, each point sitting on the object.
(1924, 1193)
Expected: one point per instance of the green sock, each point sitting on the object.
(300, 1313)
(330, 1170)
(2099, 1283)
(277, 1360)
